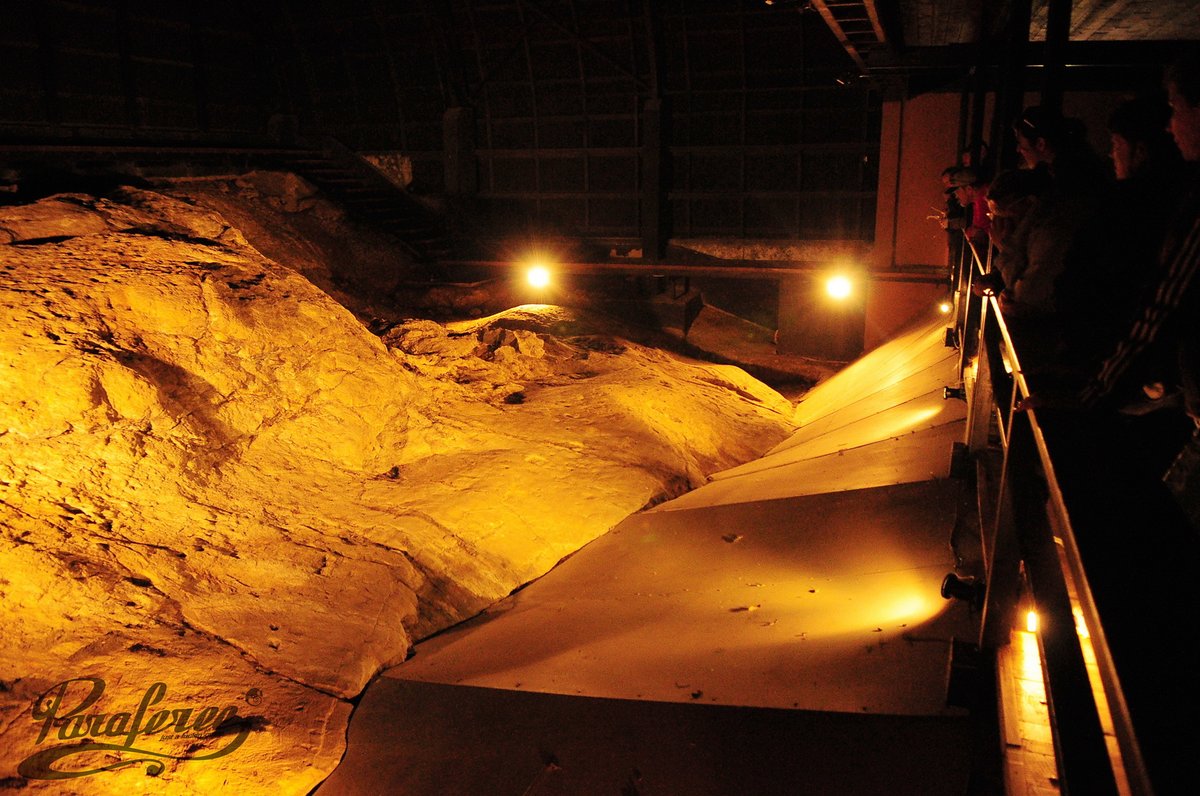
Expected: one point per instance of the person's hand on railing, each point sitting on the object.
(988, 284)
(945, 221)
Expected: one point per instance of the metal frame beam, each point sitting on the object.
(858, 43)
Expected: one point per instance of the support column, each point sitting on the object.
(653, 200)
(1011, 89)
(48, 64)
(458, 142)
(655, 154)
(1058, 33)
(133, 111)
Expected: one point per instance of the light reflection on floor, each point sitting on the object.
(700, 618)
(758, 591)
(764, 604)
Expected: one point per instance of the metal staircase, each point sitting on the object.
(370, 196)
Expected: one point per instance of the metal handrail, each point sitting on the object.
(1068, 542)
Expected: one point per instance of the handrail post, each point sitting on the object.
(1001, 552)
(1016, 538)
(1082, 753)
(980, 407)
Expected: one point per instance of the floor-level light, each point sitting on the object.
(839, 287)
(538, 276)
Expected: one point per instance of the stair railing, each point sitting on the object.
(1102, 554)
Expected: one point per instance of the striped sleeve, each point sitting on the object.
(1177, 280)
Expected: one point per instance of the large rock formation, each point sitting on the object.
(214, 478)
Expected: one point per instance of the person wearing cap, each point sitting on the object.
(971, 192)
(953, 219)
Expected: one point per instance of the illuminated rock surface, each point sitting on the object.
(775, 631)
(214, 477)
(802, 579)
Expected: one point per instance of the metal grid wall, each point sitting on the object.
(557, 88)
(135, 70)
(762, 141)
(766, 143)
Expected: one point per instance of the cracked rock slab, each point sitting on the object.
(213, 477)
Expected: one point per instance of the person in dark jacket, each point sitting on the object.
(1115, 260)
(1162, 346)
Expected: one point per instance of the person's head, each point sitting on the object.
(964, 184)
(1011, 195)
(947, 173)
(1138, 129)
(1037, 132)
(1183, 94)
(1044, 134)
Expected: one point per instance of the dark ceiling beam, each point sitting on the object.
(1076, 54)
(730, 269)
(1088, 66)
(591, 47)
(855, 24)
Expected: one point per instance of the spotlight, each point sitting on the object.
(966, 589)
(538, 276)
(945, 308)
(839, 287)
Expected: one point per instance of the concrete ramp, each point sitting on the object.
(798, 592)
(881, 421)
(410, 738)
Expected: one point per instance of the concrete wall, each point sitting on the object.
(891, 306)
(919, 138)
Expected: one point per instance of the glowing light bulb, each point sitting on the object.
(944, 307)
(1080, 624)
(839, 287)
(538, 276)
(1031, 621)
